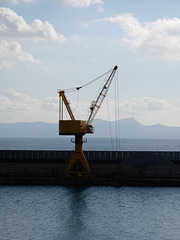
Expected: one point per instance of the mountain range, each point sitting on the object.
(125, 128)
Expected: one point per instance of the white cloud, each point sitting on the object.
(145, 103)
(100, 9)
(46, 69)
(4, 103)
(12, 2)
(161, 36)
(20, 97)
(13, 26)
(15, 101)
(80, 40)
(9, 1)
(28, 1)
(4, 64)
(13, 51)
(18, 107)
(83, 24)
(81, 3)
(50, 103)
(147, 110)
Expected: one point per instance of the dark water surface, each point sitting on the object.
(91, 213)
(127, 213)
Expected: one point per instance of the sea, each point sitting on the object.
(92, 212)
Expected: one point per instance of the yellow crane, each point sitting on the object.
(78, 166)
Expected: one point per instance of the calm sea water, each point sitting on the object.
(93, 213)
(89, 213)
(64, 143)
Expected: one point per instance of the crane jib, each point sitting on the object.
(97, 104)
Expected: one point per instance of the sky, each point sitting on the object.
(49, 45)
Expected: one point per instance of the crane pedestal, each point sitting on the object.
(78, 166)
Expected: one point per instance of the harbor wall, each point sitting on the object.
(113, 168)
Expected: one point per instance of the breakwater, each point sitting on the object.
(116, 168)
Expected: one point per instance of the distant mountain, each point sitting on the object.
(125, 128)
(130, 128)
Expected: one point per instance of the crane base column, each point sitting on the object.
(78, 167)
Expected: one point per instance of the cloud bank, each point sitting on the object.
(11, 52)
(80, 3)
(145, 103)
(162, 36)
(18, 107)
(13, 26)
(12, 2)
(14, 51)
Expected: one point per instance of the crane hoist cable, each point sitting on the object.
(109, 120)
(77, 102)
(116, 111)
(116, 143)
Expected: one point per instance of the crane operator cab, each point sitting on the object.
(73, 127)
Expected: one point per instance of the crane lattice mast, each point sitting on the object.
(95, 106)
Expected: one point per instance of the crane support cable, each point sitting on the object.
(77, 88)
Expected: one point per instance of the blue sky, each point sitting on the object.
(49, 45)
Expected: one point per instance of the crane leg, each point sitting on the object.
(78, 166)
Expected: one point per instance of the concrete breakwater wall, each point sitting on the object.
(116, 168)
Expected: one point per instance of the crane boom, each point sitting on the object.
(95, 106)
